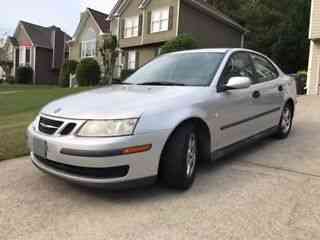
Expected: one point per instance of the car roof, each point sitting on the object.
(216, 50)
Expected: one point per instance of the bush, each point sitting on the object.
(24, 75)
(68, 68)
(301, 82)
(11, 80)
(88, 72)
(180, 43)
(125, 74)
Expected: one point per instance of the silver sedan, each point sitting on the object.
(178, 110)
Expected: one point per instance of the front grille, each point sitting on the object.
(68, 129)
(102, 173)
(49, 126)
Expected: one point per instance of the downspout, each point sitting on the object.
(178, 18)
(34, 64)
(242, 40)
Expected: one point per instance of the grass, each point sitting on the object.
(19, 104)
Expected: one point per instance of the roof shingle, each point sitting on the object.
(101, 19)
(40, 36)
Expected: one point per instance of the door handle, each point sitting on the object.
(256, 94)
(280, 88)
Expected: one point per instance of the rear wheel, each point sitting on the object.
(285, 124)
(180, 157)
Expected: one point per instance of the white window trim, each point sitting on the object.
(132, 60)
(161, 21)
(84, 45)
(23, 56)
(132, 30)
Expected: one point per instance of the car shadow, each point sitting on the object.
(159, 192)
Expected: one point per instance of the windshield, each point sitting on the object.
(185, 69)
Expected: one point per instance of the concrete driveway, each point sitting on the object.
(269, 191)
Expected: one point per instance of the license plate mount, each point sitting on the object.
(40, 147)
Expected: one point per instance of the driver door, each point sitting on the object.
(235, 107)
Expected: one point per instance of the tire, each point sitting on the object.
(179, 158)
(285, 124)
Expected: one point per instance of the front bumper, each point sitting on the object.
(141, 167)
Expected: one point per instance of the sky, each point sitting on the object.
(62, 13)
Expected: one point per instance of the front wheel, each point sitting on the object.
(179, 159)
(285, 123)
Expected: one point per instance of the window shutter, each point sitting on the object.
(137, 59)
(170, 18)
(17, 57)
(149, 21)
(122, 26)
(140, 24)
(125, 60)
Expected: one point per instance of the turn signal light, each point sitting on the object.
(137, 149)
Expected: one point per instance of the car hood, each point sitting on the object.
(116, 102)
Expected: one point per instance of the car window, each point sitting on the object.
(264, 70)
(239, 65)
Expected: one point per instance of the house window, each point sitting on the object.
(160, 20)
(131, 27)
(28, 56)
(88, 48)
(24, 56)
(132, 60)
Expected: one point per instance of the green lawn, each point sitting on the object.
(19, 104)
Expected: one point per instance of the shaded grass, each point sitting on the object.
(19, 104)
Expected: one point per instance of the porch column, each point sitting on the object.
(313, 68)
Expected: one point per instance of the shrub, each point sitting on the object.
(180, 43)
(24, 75)
(88, 72)
(11, 80)
(301, 82)
(125, 74)
(68, 68)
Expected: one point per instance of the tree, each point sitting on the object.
(68, 68)
(180, 43)
(6, 61)
(109, 54)
(278, 29)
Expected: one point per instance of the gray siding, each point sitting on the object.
(207, 31)
(43, 69)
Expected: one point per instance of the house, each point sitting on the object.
(143, 26)
(92, 29)
(42, 48)
(313, 81)
(7, 47)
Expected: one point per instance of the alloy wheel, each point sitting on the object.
(192, 153)
(286, 119)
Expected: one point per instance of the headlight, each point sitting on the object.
(108, 128)
(35, 123)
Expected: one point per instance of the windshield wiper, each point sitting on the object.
(162, 83)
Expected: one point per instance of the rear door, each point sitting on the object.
(267, 96)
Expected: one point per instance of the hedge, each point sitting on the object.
(24, 75)
(88, 72)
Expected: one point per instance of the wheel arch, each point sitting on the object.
(291, 102)
(203, 132)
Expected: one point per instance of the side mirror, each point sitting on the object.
(238, 83)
